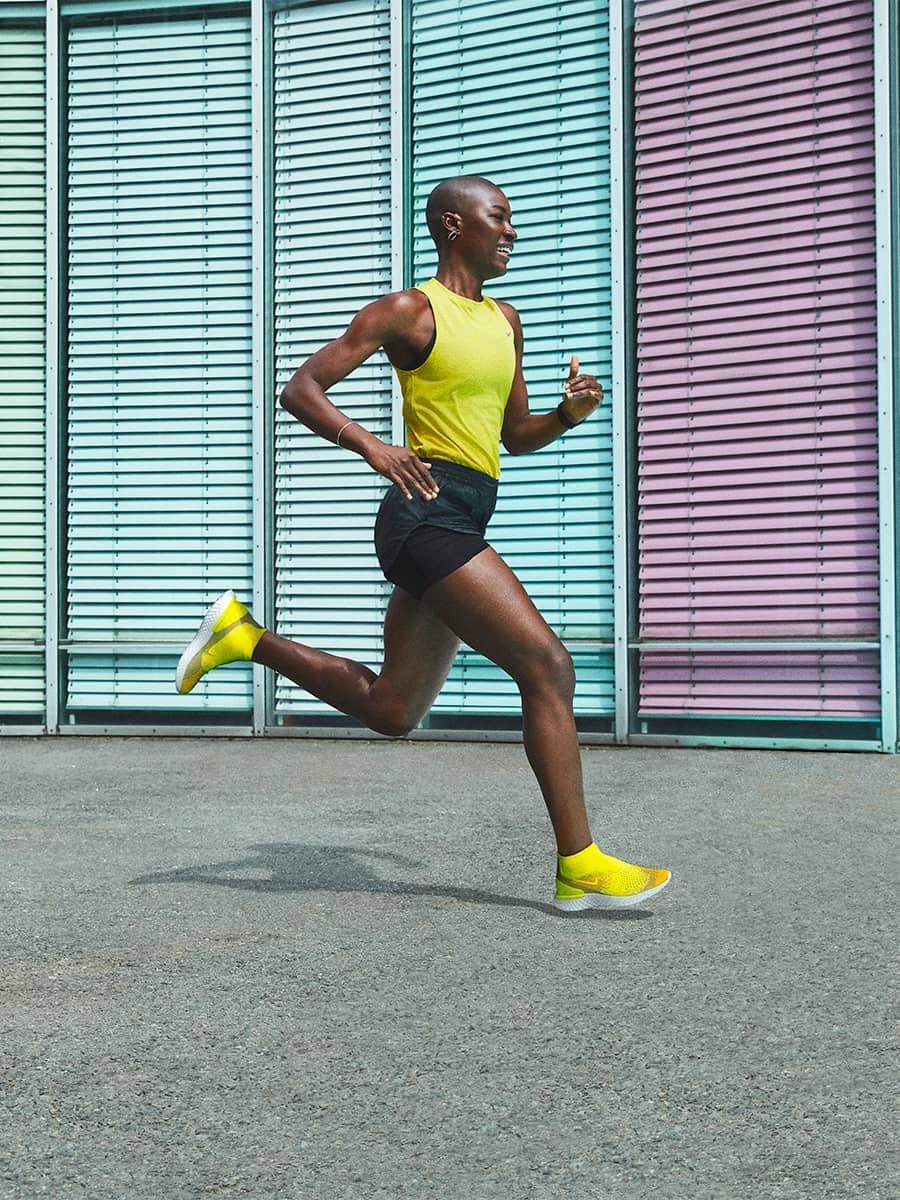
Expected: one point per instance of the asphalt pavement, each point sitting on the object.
(323, 970)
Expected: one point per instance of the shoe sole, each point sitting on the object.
(204, 633)
(600, 900)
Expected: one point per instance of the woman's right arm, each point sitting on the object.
(304, 395)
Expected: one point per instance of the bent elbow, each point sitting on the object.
(291, 398)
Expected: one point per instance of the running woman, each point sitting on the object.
(458, 356)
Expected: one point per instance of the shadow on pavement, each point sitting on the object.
(288, 867)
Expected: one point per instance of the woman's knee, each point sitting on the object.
(392, 729)
(393, 716)
(549, 666)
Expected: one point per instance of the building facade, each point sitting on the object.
(195, 197)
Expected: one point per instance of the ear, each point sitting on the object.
(451, 223)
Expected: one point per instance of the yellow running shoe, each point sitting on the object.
(227, 634)
(615, 884)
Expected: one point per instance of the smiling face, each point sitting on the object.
(470, 219)
(487, 233)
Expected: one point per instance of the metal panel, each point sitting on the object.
(757, 438)
(621, 250)
(54, 367)
(262, 681)
(333, 254)
(159, 348)
(22, 330)
(521, 96)
(887, 212)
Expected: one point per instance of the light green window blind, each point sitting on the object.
(332, 255)
(22, 142)
(520, 95)
(159, 348)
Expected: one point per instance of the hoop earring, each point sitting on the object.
(452, 235)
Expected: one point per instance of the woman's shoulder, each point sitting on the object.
(510, 312)
(392, 314)
(405, 304)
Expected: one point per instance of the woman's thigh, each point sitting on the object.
(487, 607)
(419, 650)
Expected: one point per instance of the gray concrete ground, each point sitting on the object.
(329, 969)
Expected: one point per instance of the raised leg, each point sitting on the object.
(486, 606)
(418, 652)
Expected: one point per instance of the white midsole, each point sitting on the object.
(204, 633)
(599, 900)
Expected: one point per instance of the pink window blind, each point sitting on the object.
(757, 454)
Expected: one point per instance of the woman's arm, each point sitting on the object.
(387, 320)
(524, 431)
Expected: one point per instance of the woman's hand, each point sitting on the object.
(581, 393)
(401, 466)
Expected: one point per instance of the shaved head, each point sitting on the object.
(454, 195)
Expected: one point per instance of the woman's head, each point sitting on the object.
(470, 219)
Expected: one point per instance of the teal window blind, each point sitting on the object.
(333, 241)
(159, 349)
(22, 273)
(520, 95)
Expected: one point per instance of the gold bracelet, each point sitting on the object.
(337, 440)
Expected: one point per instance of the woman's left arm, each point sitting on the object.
(524, 431)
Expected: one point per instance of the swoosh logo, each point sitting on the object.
(214, 640)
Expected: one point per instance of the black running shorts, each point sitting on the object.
(419, 542)
(430, 554)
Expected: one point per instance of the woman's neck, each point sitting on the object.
(459, 279)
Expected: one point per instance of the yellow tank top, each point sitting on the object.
(453, 404)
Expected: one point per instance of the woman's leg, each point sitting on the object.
(486, 606)
(418, 652)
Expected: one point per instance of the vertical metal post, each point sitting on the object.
(53, 374)
(260, 404)
(886, 251)
(619, 400)
(399, 215)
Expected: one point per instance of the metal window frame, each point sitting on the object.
(626, 646)
(887, 340)
(53, 368)
(267, 721)
(622, 385)
(401, 153)
(261, 423)
(887, 241)
(30, 16)
(65, 15)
